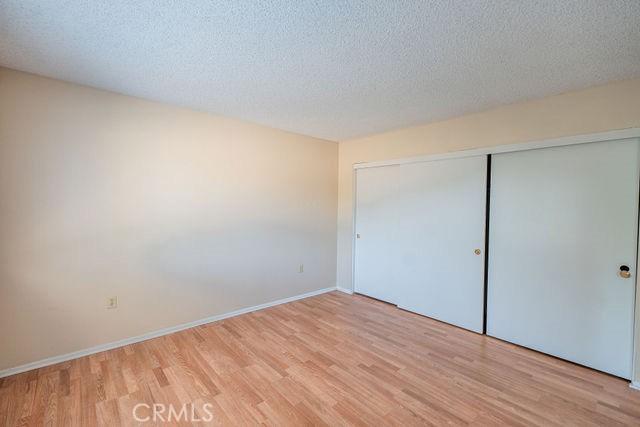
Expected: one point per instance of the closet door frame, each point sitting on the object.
(532, 145)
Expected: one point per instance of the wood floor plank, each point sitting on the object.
(333, 359)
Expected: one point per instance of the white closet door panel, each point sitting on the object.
(563, 220)
(442, 224)
(377, 217)
(418, 226)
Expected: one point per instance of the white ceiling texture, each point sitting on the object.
(326, 68)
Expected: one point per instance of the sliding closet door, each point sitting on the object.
(377, 218)
(441, 255)
(562, 259)
(419, 226)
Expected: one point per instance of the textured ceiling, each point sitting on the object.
(327, 68)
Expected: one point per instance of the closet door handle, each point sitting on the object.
(624, 272)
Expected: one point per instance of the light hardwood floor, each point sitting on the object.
(333, 359)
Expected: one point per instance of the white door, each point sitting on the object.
(563, 222)
(440, 274)
(419, 227)
(377, 219)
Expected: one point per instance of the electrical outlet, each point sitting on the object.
(301, 269)
(112, 303)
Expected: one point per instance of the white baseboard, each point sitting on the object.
(103, 347)
(635, 385)
(345, 290)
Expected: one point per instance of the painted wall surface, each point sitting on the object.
(181, 215)
(598, 109)
(184, 215)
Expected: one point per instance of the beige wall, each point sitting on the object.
(181, 215)
(603, 108)
(185, 215)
